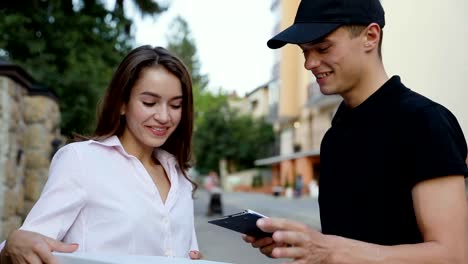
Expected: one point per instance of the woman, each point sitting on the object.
(124, 190)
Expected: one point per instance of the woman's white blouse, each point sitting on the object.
(102, 198)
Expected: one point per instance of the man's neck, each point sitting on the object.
(372, 79)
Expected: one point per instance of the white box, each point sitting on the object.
(96, 258)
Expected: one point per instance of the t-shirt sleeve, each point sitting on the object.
(438, 145)
(61, 199)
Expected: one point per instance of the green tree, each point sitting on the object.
(181, 43)
(219, 131)
(71, 47)
(224, 134)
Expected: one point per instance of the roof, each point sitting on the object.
(19, 75)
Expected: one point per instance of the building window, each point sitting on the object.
(254, 105)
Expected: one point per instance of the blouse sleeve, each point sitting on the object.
(61, 199)
(194, 243)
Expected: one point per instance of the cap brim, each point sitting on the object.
(301, 33)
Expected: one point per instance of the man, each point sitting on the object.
(393, 162)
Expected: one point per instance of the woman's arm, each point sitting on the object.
(30, 247)
(51, 217)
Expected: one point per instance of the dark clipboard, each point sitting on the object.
(244, 222)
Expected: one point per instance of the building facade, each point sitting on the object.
(300, 113)
(429, 54)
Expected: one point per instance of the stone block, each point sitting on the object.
(37, 137)
(20, 139)
(2, 107)
(9, 203)
(10, 225)
(32, 185)
(20, 202)
(36, 159)
(12, 86)
(12, 145)
(15, 115)
(10, 174)
(28, 205)
(36, 109)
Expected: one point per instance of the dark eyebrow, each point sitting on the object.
(318, 41)
(315, 42)
(158, 96)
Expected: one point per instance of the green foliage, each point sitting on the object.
(219, 132)
(286, 184)
(224, 134)
(257, 181)
(181, 43)
(205, 102)
(72, 48)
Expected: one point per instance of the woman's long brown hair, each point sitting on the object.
(110, 122)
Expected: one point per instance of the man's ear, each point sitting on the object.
(372, 37)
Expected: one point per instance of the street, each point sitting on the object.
(219, 244)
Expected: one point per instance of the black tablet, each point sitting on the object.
(244, 222)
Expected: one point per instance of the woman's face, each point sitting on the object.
(154, 109)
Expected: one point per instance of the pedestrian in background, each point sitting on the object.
(124, 190)
(212, 185)
(393, 162)
(299, 184)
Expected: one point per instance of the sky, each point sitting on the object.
(230, 37)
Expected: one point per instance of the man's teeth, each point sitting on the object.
(323, 75)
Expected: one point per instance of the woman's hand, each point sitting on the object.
(194, 254)
(31, 248)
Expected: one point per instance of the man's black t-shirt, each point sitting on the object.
(374, 154)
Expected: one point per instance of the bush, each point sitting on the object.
(257, 181)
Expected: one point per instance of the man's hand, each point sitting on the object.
(30, 247)
(265, 245)
(296, 241)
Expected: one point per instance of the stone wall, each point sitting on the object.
(12, 160)
(42, 119)
(29, 127)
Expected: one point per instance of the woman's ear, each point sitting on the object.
(123, 110)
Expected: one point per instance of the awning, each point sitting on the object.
(280, 158)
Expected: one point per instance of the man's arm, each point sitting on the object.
(441, 210)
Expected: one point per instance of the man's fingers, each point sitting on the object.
(274, 224)
(262, 242)
(267, 250)
(288, 252)
(248, 239)
(290, 237)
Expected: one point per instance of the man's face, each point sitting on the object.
(336, 61)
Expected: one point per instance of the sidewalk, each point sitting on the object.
(304, 209)
(219, 244)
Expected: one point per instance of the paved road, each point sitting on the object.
(220, 244)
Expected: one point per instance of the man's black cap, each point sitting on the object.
(316, 18)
